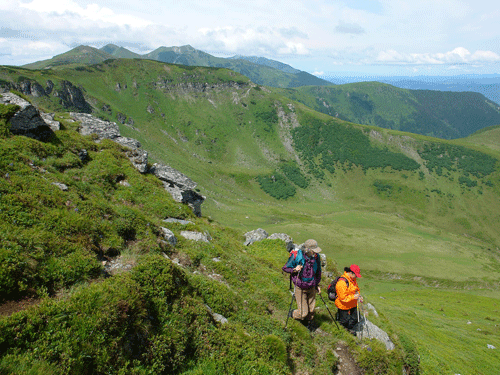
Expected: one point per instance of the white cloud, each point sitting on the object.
(59, 10)
(251, 41)
(459, 55)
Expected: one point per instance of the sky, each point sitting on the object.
(322, 37)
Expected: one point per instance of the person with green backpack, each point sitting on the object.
(304, 267)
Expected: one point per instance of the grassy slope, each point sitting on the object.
(420, 237)
(153, 319)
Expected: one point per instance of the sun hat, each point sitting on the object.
(313, 245)
(355, 268)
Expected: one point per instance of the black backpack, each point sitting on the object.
(332, 290)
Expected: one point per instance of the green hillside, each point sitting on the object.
(447, 115)
(81, 55)
(119, 52)
(418, 214)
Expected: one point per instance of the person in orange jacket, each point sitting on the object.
(348, 297)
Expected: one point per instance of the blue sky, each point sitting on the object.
(324, 37)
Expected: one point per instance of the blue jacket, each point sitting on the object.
(310, 275)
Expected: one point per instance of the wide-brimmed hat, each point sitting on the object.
(313, 245)
(355, 268)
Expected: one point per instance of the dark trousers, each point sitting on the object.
(348, 318)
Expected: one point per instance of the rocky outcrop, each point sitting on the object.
(92, 125)
(28, 120)
(72, 97)
(254, 236)
(285, 238)
(179, 186)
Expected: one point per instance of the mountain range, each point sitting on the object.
(264, 72)
(428, 112)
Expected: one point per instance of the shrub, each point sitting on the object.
(277, 186)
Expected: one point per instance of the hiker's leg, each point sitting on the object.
(311, 303)
(344, 317)
(352, 319)
(302, 310)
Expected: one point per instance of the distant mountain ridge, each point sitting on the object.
(259, 70)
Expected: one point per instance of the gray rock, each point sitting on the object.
(92, 125)
(255, 235)
(169, 236)
(172, 176)
(366, 329)
(72, 97)
(128, 142)
(179, 186)
(83, 154)
(48, 118)
(27, 120)
(63, 187)
(196, 236)
(179, 221)
(219, 318)
(323, 260)
(284, 237)
(370, 307)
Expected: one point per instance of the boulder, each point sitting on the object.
(169, 236)
(196, 236)
(366, 329)
(284, 237)
(27, 121)
(92, 125)
(179, 221)
(255, 235)
(179, 186)
(48, 118)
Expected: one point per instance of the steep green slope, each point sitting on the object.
(153, 315)
(446, 115)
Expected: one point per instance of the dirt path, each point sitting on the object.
(347, 365)
(10, 307)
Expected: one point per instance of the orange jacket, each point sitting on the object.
(345, 295)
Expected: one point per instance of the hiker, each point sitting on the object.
(348, 297)
(304, 267)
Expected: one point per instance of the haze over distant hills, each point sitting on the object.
(488, 84)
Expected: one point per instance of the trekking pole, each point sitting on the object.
(359, 323)
(329, 311)
(291, 302)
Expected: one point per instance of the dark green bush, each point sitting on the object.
(277, 186)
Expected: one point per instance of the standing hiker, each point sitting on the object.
(304, 267)
(348, 297)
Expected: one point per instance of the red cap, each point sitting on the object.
(355, 268)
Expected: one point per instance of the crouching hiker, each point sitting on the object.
(304, 267)
(348, 297)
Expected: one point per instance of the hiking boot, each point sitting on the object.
(311, 326)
